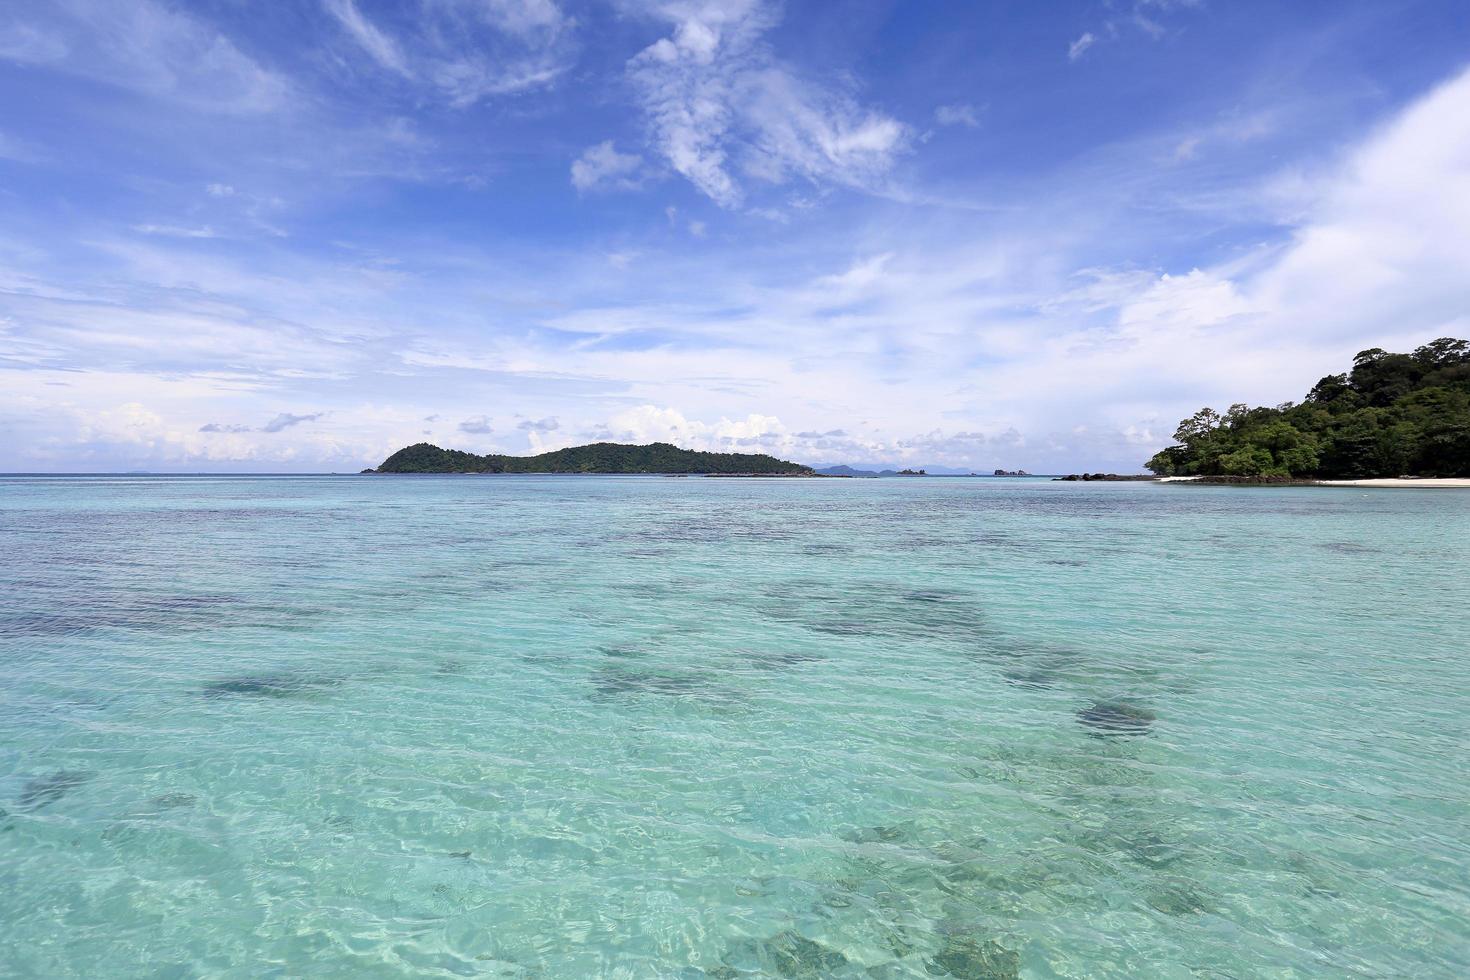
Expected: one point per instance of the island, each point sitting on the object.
(1392, 415)
(599, 457)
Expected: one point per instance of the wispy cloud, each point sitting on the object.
(959, 114)
(468, 50)
(20, 151)
(143, 46)
(1146, 16)
(720, 106)
(175, 231)
(602, 166)
(379, 46)
(286, 420)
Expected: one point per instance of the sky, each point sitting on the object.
(296, 236)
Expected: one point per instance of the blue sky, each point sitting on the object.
(295, 236)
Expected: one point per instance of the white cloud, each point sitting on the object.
(957, 115)
(19, 151)
(286, 420)
(1079, 47)
(468, 50)
(720, 104)
(860, 275)
(175, 231)
(144, 46)
(1386, 247)
(602, 166)
(382, 48)
(649, 423)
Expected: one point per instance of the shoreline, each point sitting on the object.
(1424, 483)
(1375, 483)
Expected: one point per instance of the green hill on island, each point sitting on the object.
(600, 457)
(1391, 415)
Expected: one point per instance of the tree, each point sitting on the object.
(1391, 414)
(1443, 352)
(1201, 425)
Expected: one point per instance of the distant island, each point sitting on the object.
(1391, 415)
(599, 457)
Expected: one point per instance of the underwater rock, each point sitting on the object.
(1177, 897)
(880, 834)
(972, 959)
(45, 790)
(1347, 548)
(173, 801)
(780, 660)
(844, 627)
(616, 681)
(934, 595)
(1038, 679)
(791, 954)
(267, 686)
(1115, 718)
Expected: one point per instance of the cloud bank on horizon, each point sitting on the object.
(296, 237)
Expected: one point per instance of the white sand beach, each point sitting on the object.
(1426, 483)
(1459, 483)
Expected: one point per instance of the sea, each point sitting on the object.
(601, 726)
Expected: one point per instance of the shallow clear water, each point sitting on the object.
(647, 727)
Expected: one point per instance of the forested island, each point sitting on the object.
(1391, 415)
(600, 457)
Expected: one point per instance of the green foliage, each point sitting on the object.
(1392, 414)
(601, 457)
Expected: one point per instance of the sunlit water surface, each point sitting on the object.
(650, 727)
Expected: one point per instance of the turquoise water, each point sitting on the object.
(645, 727)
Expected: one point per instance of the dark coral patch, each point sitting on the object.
(974, 959)
(173, 801)
(267, 686)
(1116, 718)
(780, 659)
(613, 682)
(45, 790)
(790, 954)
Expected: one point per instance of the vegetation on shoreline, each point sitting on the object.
(1391, 415)
(601, 457)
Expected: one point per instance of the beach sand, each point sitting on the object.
(1462, 483)
(1427, 483)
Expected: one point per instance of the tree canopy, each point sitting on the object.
(601, 457)
(1391, 415)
